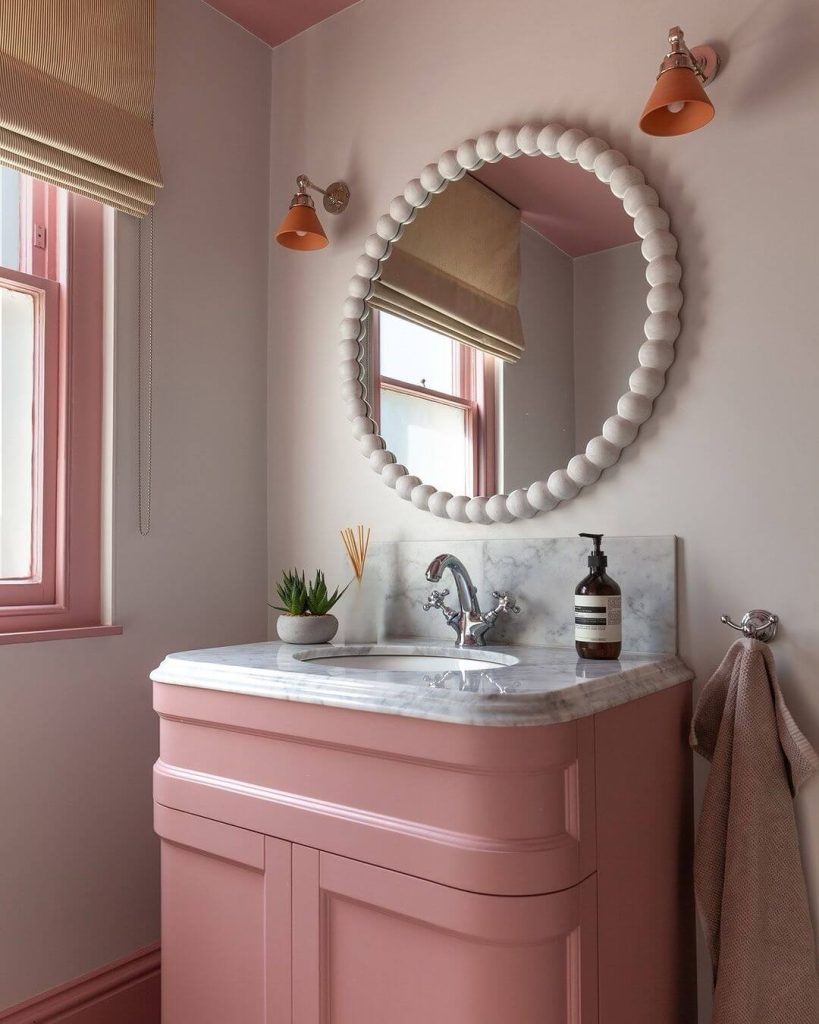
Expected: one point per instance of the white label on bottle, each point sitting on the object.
(598, 619)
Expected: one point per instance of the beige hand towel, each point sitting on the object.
(748, 876)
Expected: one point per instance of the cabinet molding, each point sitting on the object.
(503, 810)
(208, 836)
(306, 929)
(278, 931)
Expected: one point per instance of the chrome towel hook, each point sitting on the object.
(757, 624)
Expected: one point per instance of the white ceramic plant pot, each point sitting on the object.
(306, 629)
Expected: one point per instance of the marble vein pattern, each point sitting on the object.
(542, 574)
(529, 686)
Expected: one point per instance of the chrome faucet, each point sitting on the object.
(470, 624)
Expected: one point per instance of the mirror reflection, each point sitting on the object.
(505, 325)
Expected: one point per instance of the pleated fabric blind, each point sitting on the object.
(456, 270)
(76, 97)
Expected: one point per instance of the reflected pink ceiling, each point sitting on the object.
(277, 20)
(567, 205)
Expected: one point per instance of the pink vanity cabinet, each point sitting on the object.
(322, 864)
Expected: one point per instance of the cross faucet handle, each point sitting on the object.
(435, 599)
(506, 603)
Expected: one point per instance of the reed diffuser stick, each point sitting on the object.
(356, 543)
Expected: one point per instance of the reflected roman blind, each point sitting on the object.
(456, 270)
(76, 97)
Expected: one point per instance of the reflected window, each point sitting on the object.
(417, 355)
(434, 400)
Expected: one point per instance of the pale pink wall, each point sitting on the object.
(728, 461)
(78, 859)
(538, 393)
(609, 297)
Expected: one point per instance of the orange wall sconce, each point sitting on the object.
(678, 103)
(301, 229)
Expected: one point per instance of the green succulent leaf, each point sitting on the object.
(292, 592)
(319, 599)
(299, 597)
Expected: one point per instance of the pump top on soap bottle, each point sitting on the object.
(598, 610)
(597, 557)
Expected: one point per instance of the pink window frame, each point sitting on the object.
(475, 375)
(63, 591)
(39, 586)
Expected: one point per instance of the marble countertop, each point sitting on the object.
(528, 686)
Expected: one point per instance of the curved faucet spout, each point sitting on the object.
(469, 622)
(467, 594)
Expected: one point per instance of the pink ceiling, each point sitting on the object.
(566, 204)
(277, 20)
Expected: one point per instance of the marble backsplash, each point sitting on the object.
(542, 575)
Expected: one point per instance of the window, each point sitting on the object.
(434, 399)
(50, 406)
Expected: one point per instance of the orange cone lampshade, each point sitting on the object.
(301, 229)
(677, 104)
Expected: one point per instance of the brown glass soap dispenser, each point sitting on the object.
(598, 612)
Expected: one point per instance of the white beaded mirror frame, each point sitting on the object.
(656, 354)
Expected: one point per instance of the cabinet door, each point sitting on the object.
(373, 946)
(225, 923)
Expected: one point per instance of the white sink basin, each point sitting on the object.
(397, 661)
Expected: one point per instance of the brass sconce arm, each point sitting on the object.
(336, 195)
(702, 60)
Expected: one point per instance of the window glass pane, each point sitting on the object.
(416, 355)
(17, 340)
(428, 436)
(10, 218)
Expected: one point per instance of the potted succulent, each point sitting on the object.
(305, 608)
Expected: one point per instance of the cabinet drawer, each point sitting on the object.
(507, 811)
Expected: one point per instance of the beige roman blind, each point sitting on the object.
(456, 270)
(76, 97)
